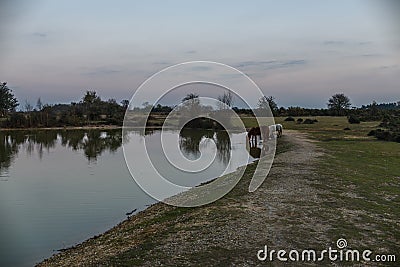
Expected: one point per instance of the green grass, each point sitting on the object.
(327, 128)
(360, 174)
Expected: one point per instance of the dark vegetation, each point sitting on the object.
(289, 119)
(308, 121)
(353, 119)
(93, 111)
(389, 128)
(90, 111)
(203, 123)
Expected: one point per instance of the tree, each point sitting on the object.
(339, 103)
(28, 107)
(39, 104)
(190, 96)
(8, 102)
(226, 98)
(191, 102)
(190, 105)
(268, 101)
(125, 103)
(91, 97)
(92, 104)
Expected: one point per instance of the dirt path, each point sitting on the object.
(284, 213)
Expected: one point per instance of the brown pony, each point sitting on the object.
(253, 133)
(262, 131)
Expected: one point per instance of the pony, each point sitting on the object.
(279, 129)
(263, 132)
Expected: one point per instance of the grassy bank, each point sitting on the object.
(362, 175)
(336, 184)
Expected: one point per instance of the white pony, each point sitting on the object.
(275, 131)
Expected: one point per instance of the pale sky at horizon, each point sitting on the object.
(301, 52)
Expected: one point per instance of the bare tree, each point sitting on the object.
(268, 101)
(39, 104)
(28, 107)
(227, 99)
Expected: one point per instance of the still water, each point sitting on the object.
(58, 188)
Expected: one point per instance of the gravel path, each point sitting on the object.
(284, 213)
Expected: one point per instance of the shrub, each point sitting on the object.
(347, 129)
(289, 119)
(353, 119)
(372, 133)
(299, 120)
(308, 121)
(385, 135)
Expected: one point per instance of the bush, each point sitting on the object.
(347, 129)
(308, 121)
(289, 119)
(385, 135)
(299, 120)
(353, 119)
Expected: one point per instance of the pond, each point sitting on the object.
(60, 187)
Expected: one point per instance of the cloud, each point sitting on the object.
(271, 64)
(371, 55)
(201, 68)
(162, 62)
(253, 63)
(101, 71)
(389, 66)
(364, 43)
(333, 42)
(340, 43)
(40, 34)
(293, 62)
(191, 52)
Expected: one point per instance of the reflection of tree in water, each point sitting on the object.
(12, 142)
(8, 150)
(223, 143)
(92, 142)
(190, 139)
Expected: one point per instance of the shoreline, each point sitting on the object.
(141, 213)
(148, 212)
(135, 232)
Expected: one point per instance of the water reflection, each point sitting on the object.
(190, 141)
(48, 188)
(94, 142)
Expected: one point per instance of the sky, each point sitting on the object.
(300, 52)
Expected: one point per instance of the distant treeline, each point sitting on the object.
(91, 110)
